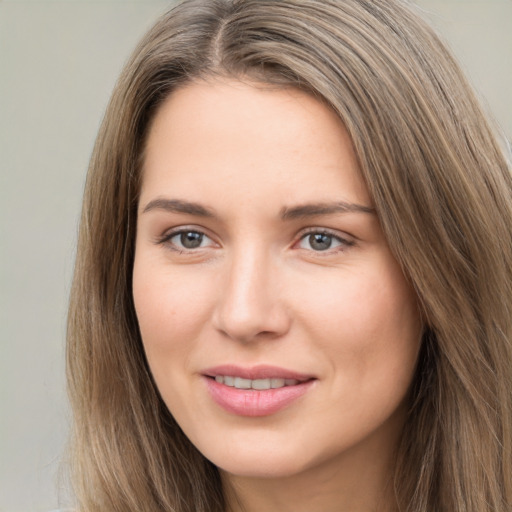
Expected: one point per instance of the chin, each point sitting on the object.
(261, 469)
(260, 462)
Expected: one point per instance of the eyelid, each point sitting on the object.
(344, 239)
(166, 237)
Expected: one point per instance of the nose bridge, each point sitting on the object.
(249, 305)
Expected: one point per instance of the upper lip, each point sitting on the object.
(256, 372)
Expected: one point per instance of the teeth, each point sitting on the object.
(257, 384)
(261, 384)
(242, 383)
(277, 383)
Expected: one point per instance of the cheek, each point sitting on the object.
(371, 332)
(171, 308)
(368, 323)
(363, 306)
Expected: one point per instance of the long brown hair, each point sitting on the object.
(442, 189)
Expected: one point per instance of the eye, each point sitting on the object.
(187, 240)
(319, 241)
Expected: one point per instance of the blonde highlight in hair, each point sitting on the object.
(442, 189)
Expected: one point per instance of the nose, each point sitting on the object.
(250, 306)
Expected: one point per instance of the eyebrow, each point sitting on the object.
(312, 210)
(178, 206)
(287, 213)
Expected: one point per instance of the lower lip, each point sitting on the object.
(250, 402)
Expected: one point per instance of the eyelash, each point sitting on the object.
(343, 242)
(166, 239)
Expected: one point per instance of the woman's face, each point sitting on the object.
(277, 324)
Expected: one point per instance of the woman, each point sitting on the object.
(293, 282)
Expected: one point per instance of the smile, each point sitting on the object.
(256, 384)
(256, 391)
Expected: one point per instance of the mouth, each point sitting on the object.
(256, 384)
(256, 391)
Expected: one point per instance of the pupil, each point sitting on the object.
(320, 241)
(191, 239)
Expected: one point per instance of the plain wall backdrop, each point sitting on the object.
(58, 64)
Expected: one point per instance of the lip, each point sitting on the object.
(253, 403)
(256, 372)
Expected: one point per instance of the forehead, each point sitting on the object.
(216, 137)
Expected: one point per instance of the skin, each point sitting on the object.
(259, 291)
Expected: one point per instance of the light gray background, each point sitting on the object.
(58, 64)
